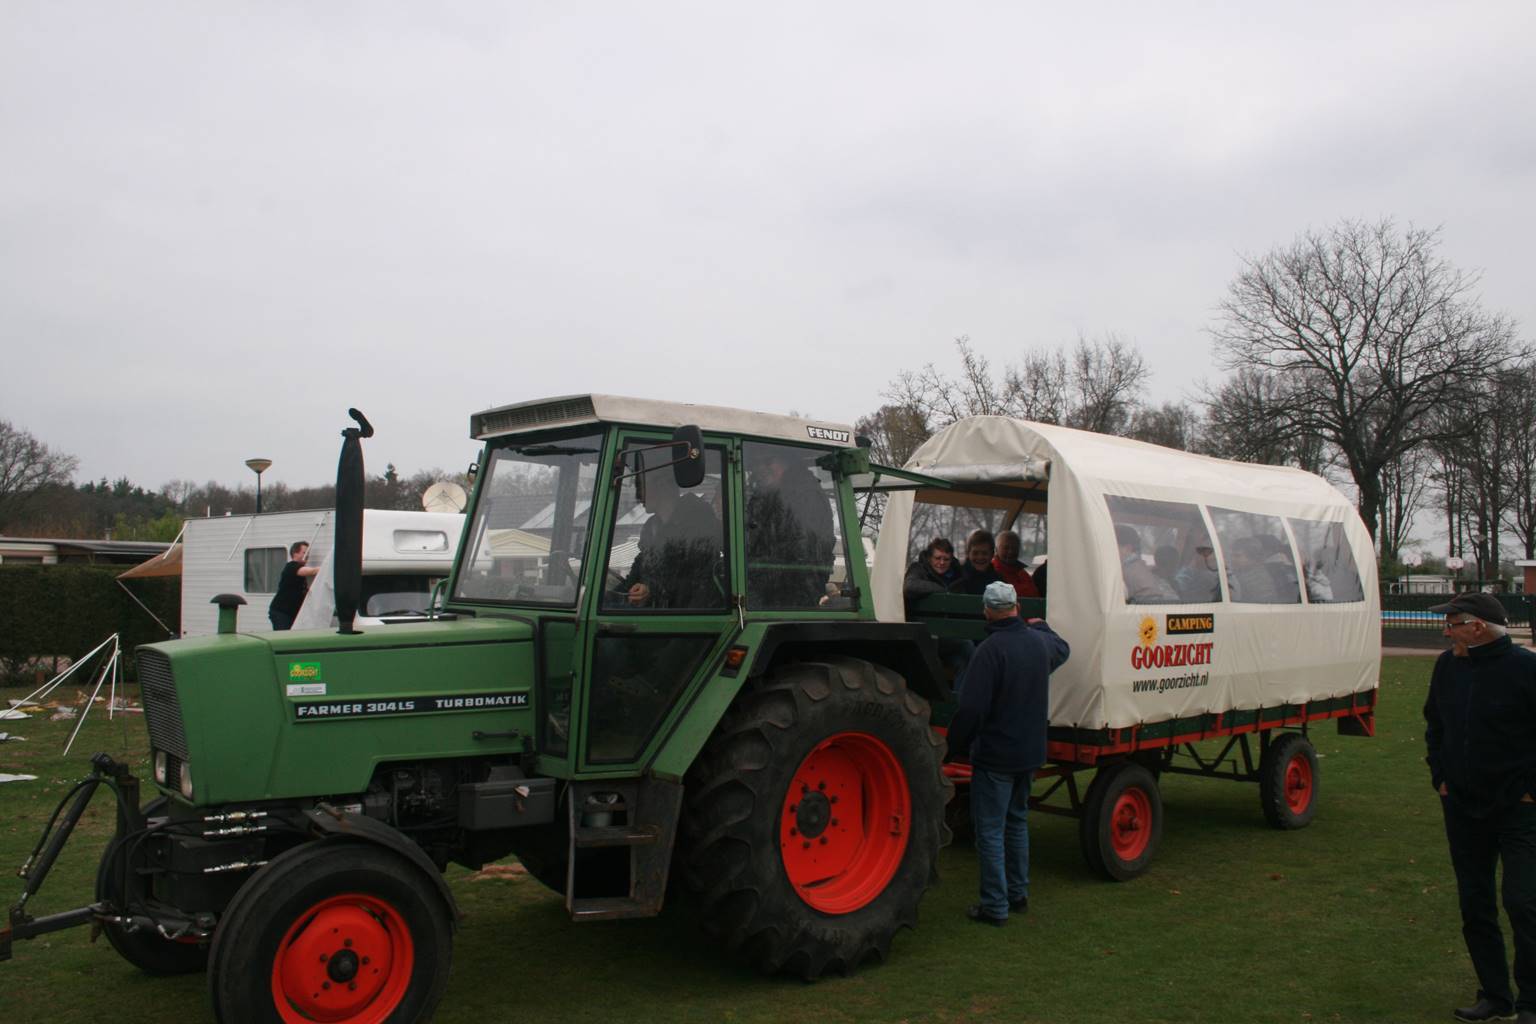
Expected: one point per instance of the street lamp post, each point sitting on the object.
(258, 466)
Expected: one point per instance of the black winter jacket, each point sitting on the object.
(1004, 697)
(1480, 726)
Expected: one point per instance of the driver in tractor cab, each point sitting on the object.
(790, 534)
(679, 544)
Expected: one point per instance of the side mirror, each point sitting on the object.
(688, 456)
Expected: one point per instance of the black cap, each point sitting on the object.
(1481, 606)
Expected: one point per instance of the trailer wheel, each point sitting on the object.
(1288, 781)
(1122, 821)
(146, 950)
(815, 816)
(335, 931)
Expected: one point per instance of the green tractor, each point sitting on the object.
(655, 663)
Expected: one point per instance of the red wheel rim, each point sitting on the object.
(845, 823)
(347, 958)
(1130, 824)
(1298, 783)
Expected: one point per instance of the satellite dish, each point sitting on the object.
(444, 496)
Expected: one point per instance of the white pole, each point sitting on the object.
(52, 684)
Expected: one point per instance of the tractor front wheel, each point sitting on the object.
(147, 950)
(815, 815)
(332, 931)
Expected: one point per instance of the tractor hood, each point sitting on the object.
(303, 714)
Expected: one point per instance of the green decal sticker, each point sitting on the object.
(304, 672)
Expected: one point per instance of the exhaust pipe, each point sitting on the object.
(348, 552)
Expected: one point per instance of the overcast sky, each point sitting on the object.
(222, 223)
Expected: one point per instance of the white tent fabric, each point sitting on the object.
(1262, 655)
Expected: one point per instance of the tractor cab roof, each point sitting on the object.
(573, 410)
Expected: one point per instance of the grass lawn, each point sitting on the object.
(1351, 919)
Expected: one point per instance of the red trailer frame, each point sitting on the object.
(1120, 813)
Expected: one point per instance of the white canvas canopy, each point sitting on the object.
(1256, 655)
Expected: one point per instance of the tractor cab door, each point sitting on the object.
(664, 610)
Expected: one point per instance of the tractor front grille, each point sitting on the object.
(162, 711)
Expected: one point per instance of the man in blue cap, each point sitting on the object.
(1480, 731)
(1000, 724)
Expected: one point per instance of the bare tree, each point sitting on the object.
(26, 466)
(1172, 425)
(1097, 387)
(894, 432)
(1520, 459)
(1403, 486)
(1108, 379)
(1379, 331)
(941, 399)
(1245, 420)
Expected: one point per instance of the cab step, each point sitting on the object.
(638, 815)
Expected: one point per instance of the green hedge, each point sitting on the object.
(49, 611)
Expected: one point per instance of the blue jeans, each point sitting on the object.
(1000, 818)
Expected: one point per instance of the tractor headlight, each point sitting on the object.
(160, 763)
(186, 780)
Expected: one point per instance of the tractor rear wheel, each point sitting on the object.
(1288, 780)
(1122, 821)
(815, 816)
(146, 950)
(334, 931)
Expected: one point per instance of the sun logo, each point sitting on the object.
(1148, 631)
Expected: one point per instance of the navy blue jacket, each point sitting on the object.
(1005, 697)
(1480, 726)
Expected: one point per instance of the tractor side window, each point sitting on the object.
(1165, 552)
(667, 547)
(796, 558)
(1327, 564)
(262, 568)
(1261, 568)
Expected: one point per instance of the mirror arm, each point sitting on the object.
(620, 475)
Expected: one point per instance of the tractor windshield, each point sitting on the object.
(531, 523)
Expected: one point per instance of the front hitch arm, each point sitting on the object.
(104, 771)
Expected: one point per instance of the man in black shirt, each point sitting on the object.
(292, 585)
(1480, 735)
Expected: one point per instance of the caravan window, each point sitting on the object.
(1261, 567)
(1328, 565)
(263, 566)
(1166, 555)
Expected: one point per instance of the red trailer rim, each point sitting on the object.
(346, 959)
(1298, 783)
(845, 823)
(1130, 823)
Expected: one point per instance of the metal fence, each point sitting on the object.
(1406, 620)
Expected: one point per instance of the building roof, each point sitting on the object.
(119, 551)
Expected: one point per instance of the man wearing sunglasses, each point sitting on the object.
(1481, 737)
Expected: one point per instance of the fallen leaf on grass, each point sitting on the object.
(1277, 877)
(491, 871)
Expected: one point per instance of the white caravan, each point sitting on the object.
(404, 554)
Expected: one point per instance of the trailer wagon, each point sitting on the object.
(1205, 600)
